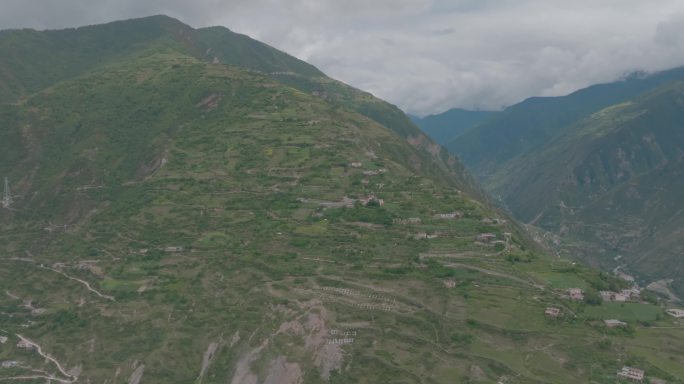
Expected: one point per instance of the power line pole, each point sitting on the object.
(7, 195)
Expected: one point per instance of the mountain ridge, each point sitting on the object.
(446, 126)
(528, 125)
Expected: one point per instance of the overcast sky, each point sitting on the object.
(425, 55)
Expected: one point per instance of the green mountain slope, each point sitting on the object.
(178, 221)
(31, 60)
(614, 181)
(446, 126)
(532, 124)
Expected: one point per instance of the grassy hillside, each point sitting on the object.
(178, 221)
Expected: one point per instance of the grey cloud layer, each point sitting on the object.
(425, 55)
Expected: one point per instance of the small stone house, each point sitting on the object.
(612, 323)
(576, 294)
(24, 344)
(631, 374)
(678, 313)
(486, 237)
(9, 363)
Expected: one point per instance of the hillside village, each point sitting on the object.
(270, 225)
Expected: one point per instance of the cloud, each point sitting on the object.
(425, 55)
(670, 32)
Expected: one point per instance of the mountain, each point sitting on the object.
(446, 126)
(33, 60)
(532, 124)
(613, 181)
(177, 218)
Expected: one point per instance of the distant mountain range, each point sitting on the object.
(600, 167)
(445, 127)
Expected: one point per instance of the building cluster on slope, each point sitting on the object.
(346, 202)
(623, 295)
(636, 374)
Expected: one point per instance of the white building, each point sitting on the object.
(9, 363)
(450, 215)
(678, 313)
(612, 323)
(621, 297)
(632, 293)
(631, 373)
(576, 294)
(24, 344)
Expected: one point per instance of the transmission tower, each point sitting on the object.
(7, 195)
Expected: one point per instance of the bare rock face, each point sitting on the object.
(327, 357)
(310, 324)
(243, 371)
(476, 373)
(207, 359)
(282, 372)
(136, 376)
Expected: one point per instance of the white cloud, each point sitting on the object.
(426, 55)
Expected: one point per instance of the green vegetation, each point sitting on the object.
(173, 214)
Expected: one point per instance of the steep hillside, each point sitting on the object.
(179, 220)
(532, 124)
(614, 180)
(446, 126)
